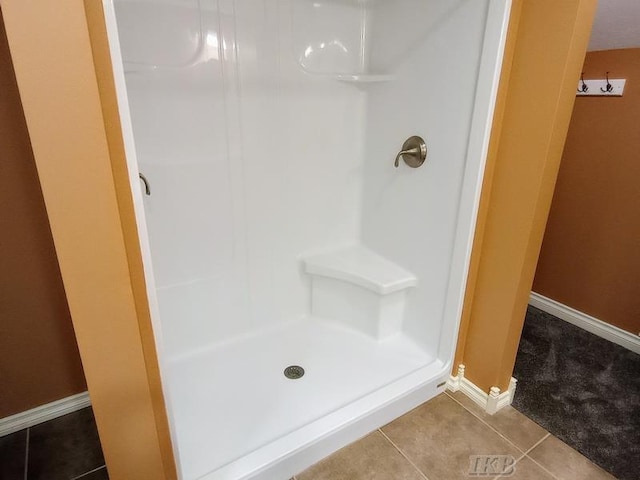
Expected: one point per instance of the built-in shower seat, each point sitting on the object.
(359, 288)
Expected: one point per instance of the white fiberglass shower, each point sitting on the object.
(276, 229)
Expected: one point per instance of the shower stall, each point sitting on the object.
(306, 175)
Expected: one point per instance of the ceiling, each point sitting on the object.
(617, 25)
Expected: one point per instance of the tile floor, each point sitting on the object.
(437, 440)
(64, 448)
(434, 442)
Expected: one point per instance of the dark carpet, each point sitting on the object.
(583, 389)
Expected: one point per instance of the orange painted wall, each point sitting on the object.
(590, 258)
(81, 169)
(527, 143)
(39, 360)
(492, 154)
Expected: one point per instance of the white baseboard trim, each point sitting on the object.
(490, 402)
(586, 322)
(43, 413)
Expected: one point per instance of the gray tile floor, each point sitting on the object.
(64, 448)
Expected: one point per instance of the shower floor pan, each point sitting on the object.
(237, 416)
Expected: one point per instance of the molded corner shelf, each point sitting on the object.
(359, 79)
(363, 78)
(362, 267)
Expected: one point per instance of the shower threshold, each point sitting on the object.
(235, 414)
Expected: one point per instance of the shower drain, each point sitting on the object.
(293, 372)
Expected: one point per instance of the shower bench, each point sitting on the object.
(360, 289)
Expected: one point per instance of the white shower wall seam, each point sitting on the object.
(419, 375)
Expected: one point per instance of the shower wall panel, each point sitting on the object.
(410, 215)
(251, 162)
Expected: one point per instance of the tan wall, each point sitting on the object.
(39, 360)
(79, 157)
(590, 258)
(536, 101)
